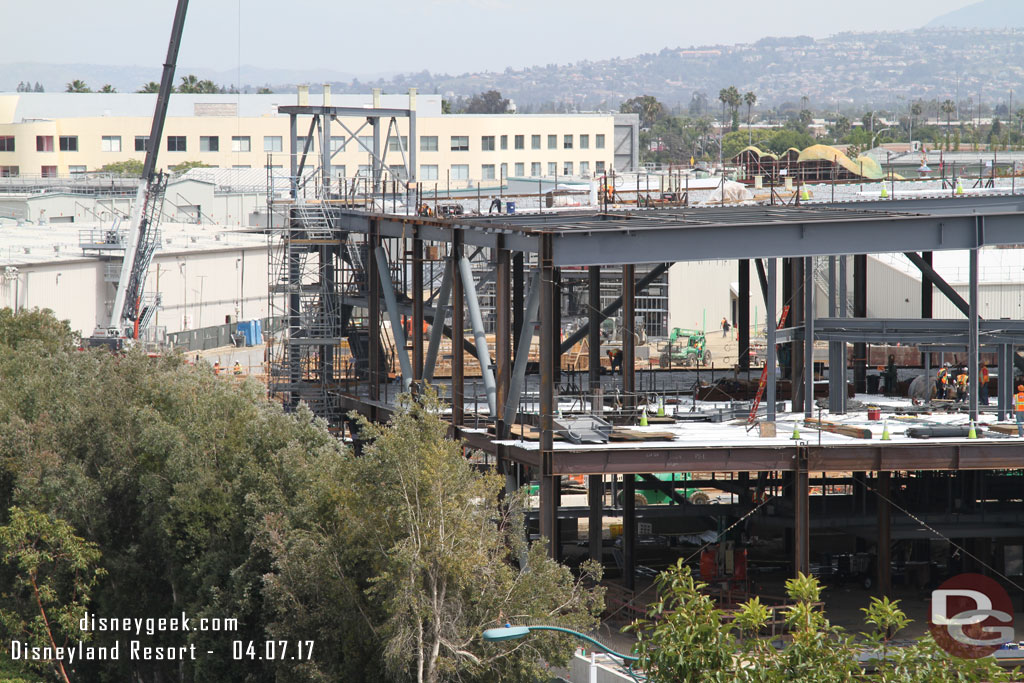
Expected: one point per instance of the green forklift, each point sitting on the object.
(650, 493)
(686, 348)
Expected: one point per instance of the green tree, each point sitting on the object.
(191, 84)
(265, 90)
(77, 86)
(107, 88)
(186, 166)
(54, 573)
(151, 87)
(647, 106)
(490, 102)
(128, 167)
(413, 543)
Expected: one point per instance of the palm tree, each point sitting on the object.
(108, 88)
(151, 87)
(751, 99)
(915, 110)
(189, 83)
(77, 86)
(948, 107)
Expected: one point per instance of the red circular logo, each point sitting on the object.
(971, 616)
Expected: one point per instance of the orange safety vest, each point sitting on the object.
(1020, 402)
(984, 375)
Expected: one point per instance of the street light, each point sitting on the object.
(876, 136)
(510, 632)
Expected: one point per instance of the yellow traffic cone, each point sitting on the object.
(885, 431)
(661, 406)
(885, 192)
(959, 187)
(805, 195)
(796, 431)
(643, 416)
(972, 433)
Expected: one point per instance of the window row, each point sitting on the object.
(489, 143)
(488, 171)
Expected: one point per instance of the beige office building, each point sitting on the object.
(55, 134)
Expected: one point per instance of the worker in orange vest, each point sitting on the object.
(216, 368)
(983, 388)
(1019, 409)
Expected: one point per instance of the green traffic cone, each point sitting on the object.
(643, 416)
(661, 406)
(885, 431)
(972, 433)
(796, 431)
(885, 192)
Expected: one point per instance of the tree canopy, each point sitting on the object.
(490, 102)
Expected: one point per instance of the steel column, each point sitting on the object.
(884, 562)
(629, 531)
(860, 310)
(373, 312)
(808, 336)
(843, 275)
(502, 336)
(548, 481)
(518, 286)
(594, 339)
(770, 353)
(458, 333)
(801, 507)
(595, 501)
(799, 317)
(628, 335)
(477, 322)
(743, 314)
(836, 381)
(417, 308)
(972, 350)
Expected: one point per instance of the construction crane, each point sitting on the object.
(131, 313)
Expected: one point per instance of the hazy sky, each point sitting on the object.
(368, 36)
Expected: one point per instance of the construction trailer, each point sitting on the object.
(345, 276)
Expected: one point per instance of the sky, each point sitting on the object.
(389, 36)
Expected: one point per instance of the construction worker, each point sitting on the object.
(961, 384)
(941, 380)
(1018, 405)
(237, 370)
(983, 389)
(615, 359)
(890, 374)
(216, 367)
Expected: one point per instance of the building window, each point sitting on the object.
(44, 143)
(487, 172)
(300, 143)
(337, 144)
(428, 143)
(241, 143)
(8, 171)
(393, 143)
(338, 171)
(366, 143)
(599, 167)
(534, 142)
(272, 143)
(552, 142)
(520, 142)
(460, 143)
(486, 143)
(584, 168)
(241, 166)
(552, 168)
(599, 141)
(428, 171)
(535, 168)
(397, 172)
(69, 143)
(520, 168)
(567, 168)
(76, 170)
(176, 143)
(567, 142)
(363, 171)
(504, 142)
(112, 143)
(504, 171)
(460, 172)
(6, 144)
(584, 141)
(209, 143)
(141, 143)
(49, 171)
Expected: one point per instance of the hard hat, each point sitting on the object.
(1020, 387)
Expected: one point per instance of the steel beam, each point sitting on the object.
(476, 320)
(594, 339)
(928, 278)
(417, 308)
(502, 335)
(884, 557)
(518, 294)
(595, 502)
(373, 312)
(397, 331)
(973, 366)
(629, 532)
(808, 337)
(801, 513)
(743, 314)
(860, 310)
(798, 315)
(549, 481)
(458, 334)
(628, 336)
